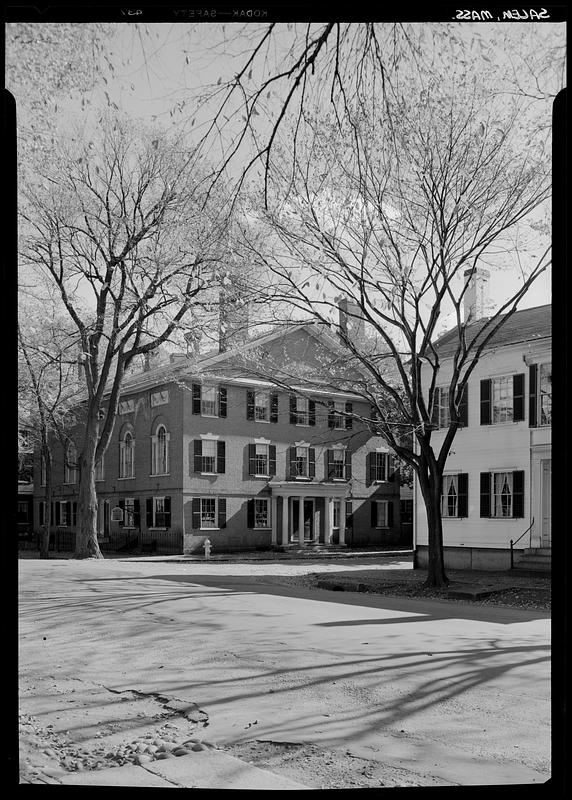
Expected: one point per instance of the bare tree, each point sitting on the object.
(395, 212)
(119, 227)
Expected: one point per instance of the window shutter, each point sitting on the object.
(463, 488)
(435, 411)
(293, 415)
(273, 408)
(329, 463)
(222, 401)
(391, 468)
(272, 459)
(348, 465)
(373, 514)
(518, 397)
(222, 512)
(464, 408)
(136, 513)
(532, 395)
(368, 469)
(149, 512)
(486, 403)
(311, 412)
(121, 504)
(485, 494)
(57, 513)
(331, 421)
(250, 513)
(349, 513)
(251, 459)
(196, 398)
(53, 513)
(167, 506)
(74, 514)
(198, 455)
(249, 404)
(349, 420)
(311, 462)
(390, 515)
(220, 457)
(292, 460)
(196, 507)
(41, 512)
(518, 493)
(68, 513)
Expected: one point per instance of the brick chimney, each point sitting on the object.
(476, 298)
(350, 317)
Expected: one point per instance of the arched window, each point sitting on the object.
(70, 471)
(127, 455)
(160, 451)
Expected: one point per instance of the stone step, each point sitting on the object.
(532, 559)
(539, 551)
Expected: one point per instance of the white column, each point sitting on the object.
(301, 522)
(329, 519)
(342, 502)
(284, 520)
(273, 519)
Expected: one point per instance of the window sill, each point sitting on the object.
(156, 529)
(102, 480)
(127, 478)
(210, 474)
(382, 528)
(262, 528)
(210, 416)
(159, 475)
(261, 475)
(209, 529)
(265, 421)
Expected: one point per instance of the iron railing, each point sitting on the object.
(516, 542)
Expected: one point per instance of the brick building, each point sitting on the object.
(204, 448)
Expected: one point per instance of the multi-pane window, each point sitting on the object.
(99, 473)
(338, 463)
(381, 517)
(301, 461)
(379, 466)
(129, 518)
(302, 411)
(545, 392)
(502, 492)
(160, 452)
(208, 512)
(209, 401)
(450, 498)
(63, 513)
(126, 456)
(42, 471)
(336, 522)
(159, 515)
(261, 512)
(261, 406)
(442, 416)
(70, 472)
(337, 416)
(502, 399)
(261, 459)
(208, 458)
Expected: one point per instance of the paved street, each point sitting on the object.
(447, 693)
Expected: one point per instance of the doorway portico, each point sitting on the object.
(303, 513)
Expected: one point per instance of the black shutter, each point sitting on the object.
(273, 408)
(532, 395)
(349, 514)
(292, 461)
(74, 514)
(220, 457)
(293, 414)
(486, 402)
(435, 411)
(348, 474)
(136, 513)
(249, 404)
(198, 455)
(222, 401)
(250, 513)
(349, 420)
(518, 493)
(252, 459)
(331, 415)
(53, 514)
(329, 463)
(167, 507)
(311, 462)
(368, 469)
(485, 494)
(390, 468)
(149, 512)
(272, 459)
(222, 512)
(68, 513)
(518, 397)
(311, 412)
(390, 515)
(196, 507)
(373, 514)
(196, 398)
(464, 408)
(121, 504)
(463, 489)
(57, 512)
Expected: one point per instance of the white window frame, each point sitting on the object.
(443, 410)
(266, 519)
(214, 526)
(336, 514)
(63, 523)
(129, 510)
(339, 463)
(158, 459)
(127, 456)
(384, 467)
(208, 460)
(100, 469)
(381, 506)
(499, 482)
(543, 369)
(302, 411)
(338, 415)
(305, 458)
(209, 404)
(264, 457)
(502, 399)
(262, 407)
(70, 473)
(450, 496)
(156, 525)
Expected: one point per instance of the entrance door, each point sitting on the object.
(308, 519)
(546, 501)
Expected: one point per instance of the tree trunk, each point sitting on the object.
(86, 545)
(431, 491)
(45, 534)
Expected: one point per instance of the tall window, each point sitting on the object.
(63, 513)
(261, 512)
(209, 401)
(70, 472)
(208, 462)
(160, 451)
(42, 471)
(379, 466)
(502, 399)
(302, 411)
(126, 456)
(261, 459)
(336, 523)
(99, 473)
(380, 516)
(337, 419)
(502, 494)
(301, 461)
(545, 380)
(450, 497)
(338, 463)
(442, 416)
(159, 512)
(208, 512)
(261, 406)
(129, 512)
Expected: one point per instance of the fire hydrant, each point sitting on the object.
(207, 545)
